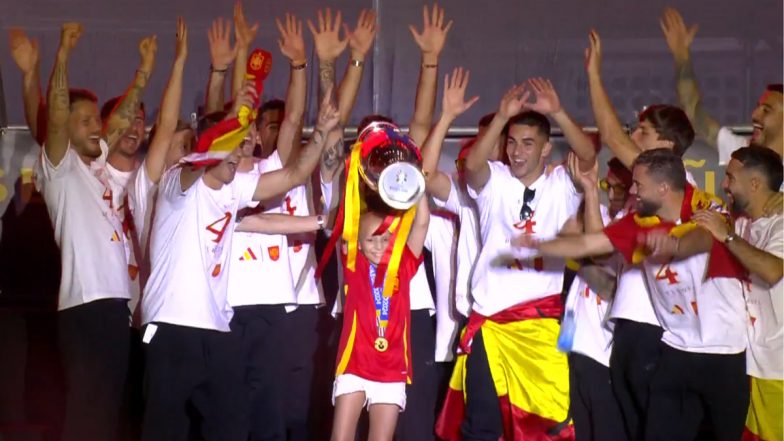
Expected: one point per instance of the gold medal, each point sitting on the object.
(381, 344)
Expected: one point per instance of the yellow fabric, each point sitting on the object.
(352, 208)
(525, 365)
(229, 141)
(346, 356)
(766, 411)
(397, 251)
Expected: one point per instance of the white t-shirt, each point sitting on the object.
(632, 300)
(87, 229)
(141, 200)
(190, 247)
(727, 142)
(301, 247)
(120, 181)
(765, 303)
(506, 277)
(442, 243)
(468, 241)
(260, 271)
(592, 336)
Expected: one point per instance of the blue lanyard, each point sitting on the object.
(381, 303)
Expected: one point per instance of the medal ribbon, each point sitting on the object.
(381, 303)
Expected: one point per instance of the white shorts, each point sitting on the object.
(376, 392)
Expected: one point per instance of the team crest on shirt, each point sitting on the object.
(297, 246)
(753, 320)
(216, 271)
(274, 253)
(133, 271)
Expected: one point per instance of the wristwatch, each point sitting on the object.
(730, 237)
(320, 221)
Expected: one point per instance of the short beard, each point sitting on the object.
(647, 208)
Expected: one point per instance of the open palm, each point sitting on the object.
(454, 103)
(547, 101)
(23, 50)
(291, 43)
(329, 46)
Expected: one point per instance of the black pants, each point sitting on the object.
(260, 329)
(688, 387)
(194, 371)
(594, 409)
(483, 420)
(301, 342)
(94, 344)
(635, 356)
(417, 422)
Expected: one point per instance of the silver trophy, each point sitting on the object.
(391, 165)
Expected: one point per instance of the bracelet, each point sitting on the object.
(299, 66)
(224, 70)
(429, 66)
(356, 63)
(730, 237)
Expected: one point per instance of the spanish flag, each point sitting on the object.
(531, 377)
(764, 421)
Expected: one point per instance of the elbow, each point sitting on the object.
(773, 276)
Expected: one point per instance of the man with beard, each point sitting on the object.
(95, 287)
(695, 299)
(767, 118)
(753, 175)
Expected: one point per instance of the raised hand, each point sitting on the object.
(328, 116)
(222, 53)
(69, 36)
(433, 36)
(148, 47)
(23, 50)
(246, 97)
(513, 101)
(454, 103)
(329, 46)
(678, 37)
(361, 39)
(243, 33)
(291, 43)
(586, 179)
(593, 54)
(547, 101)
(181, 48)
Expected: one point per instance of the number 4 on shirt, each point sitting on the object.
(223, 223)
(665, 273)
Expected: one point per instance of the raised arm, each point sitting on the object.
(679, 40)
(430, 41)
(222, 54)
(58, 108)
(244, 35)
(155, 162)
(25, 54)
(292, 46)
(298, 171)
(123, 114)
(476, 166)
(360, 41)
(276, 223)
(418, 233)
(548, 103)
(607, 120)
(765, 265)
(328, 49)
(453, 105)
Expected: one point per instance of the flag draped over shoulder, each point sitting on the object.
(531, 377)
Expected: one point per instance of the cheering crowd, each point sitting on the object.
(191, 276)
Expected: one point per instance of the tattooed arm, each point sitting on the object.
(123, 114)
(679, 40)
(328, 49)
(58, 109)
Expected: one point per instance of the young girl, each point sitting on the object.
(374, 356)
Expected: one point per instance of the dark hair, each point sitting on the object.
(775, 87)
(108, 106)
(763, 160)
(209, 120)
(530, 118)
(76, 95)
(370, 119)
(616, 167)
(272, 105)
(665, 165)
(486, 120)
(672, 124)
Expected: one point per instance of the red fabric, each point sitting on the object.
(519, 425)
(547, 307)
(626, 236)
(750, 436)
(393, 365)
